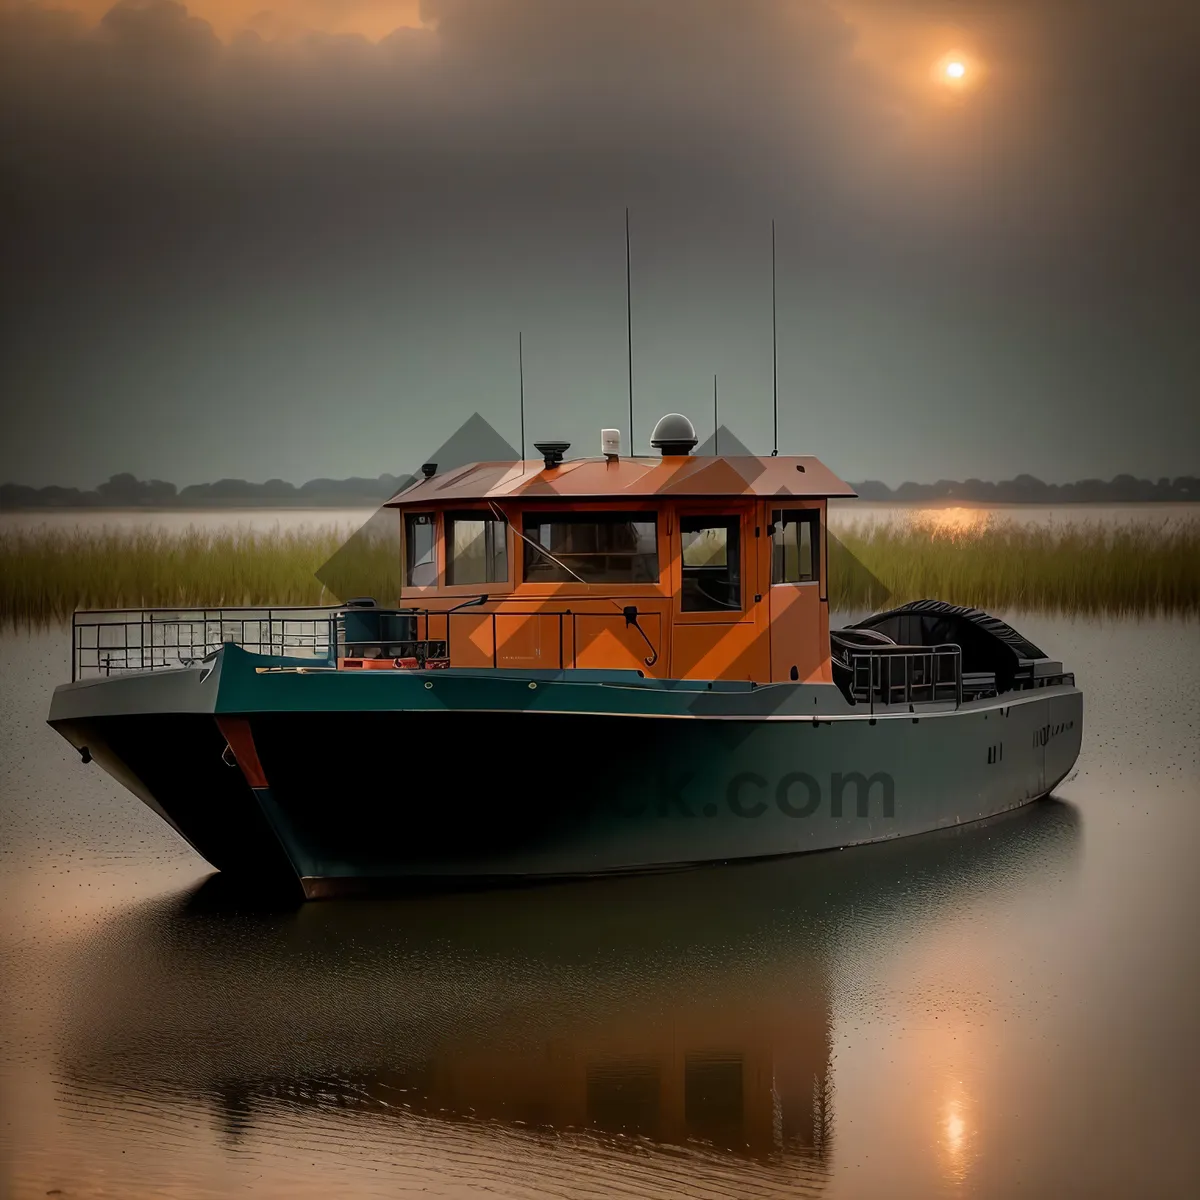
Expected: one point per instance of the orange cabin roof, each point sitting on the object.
(801, 476)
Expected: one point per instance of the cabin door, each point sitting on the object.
(714, 632)
(799, 626)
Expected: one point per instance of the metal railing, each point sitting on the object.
(559, 649)
(906, 674)
(115, 641)
(112, 641)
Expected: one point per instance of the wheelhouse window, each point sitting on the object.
(420, 562)
(595, 547)
(476, 549)
(711, 575)
(795, 535)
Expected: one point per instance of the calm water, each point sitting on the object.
(842, 513)
(1011, 1010)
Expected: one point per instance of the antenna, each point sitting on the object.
(716, 427)
(521, 376)
(774, 350)
(629, 329)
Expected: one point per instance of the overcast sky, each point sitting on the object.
(254, 244)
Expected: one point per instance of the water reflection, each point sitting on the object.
(684, 1011)
(955, 1136)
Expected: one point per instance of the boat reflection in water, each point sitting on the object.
(689, 1010)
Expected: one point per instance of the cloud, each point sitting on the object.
(829, 101)
(157, 32)
(372, 19)
(706, 55)
(527, 95)
(1075, 146)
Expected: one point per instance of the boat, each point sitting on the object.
(594, 665)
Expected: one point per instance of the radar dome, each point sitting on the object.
(674, 434)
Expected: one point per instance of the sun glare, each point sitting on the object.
(956, 71)
(952, 523)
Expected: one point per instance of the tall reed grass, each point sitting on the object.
(1136, 569)
(46, 574)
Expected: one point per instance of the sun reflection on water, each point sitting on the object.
(955, 1137)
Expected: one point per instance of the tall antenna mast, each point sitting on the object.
(716, 427)
(629, 329)
(774, 350)
(521, 376)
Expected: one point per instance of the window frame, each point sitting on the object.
(446, 524)
(716, 520)
(599, 589)
(812, 517)
(407, 586)
(748, 549)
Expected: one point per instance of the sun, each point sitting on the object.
(956, 71)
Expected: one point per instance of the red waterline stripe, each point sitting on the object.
(236, 731)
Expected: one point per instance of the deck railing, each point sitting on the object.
(906, 674)
(111, 641)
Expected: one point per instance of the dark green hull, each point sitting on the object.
(375, 779)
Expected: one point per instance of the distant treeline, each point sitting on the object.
(126, 491)
(1025, 489)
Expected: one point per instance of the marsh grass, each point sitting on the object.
(46, 574)
(1142, 568)
(1145, 568)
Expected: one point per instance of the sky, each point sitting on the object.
(254, 242)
